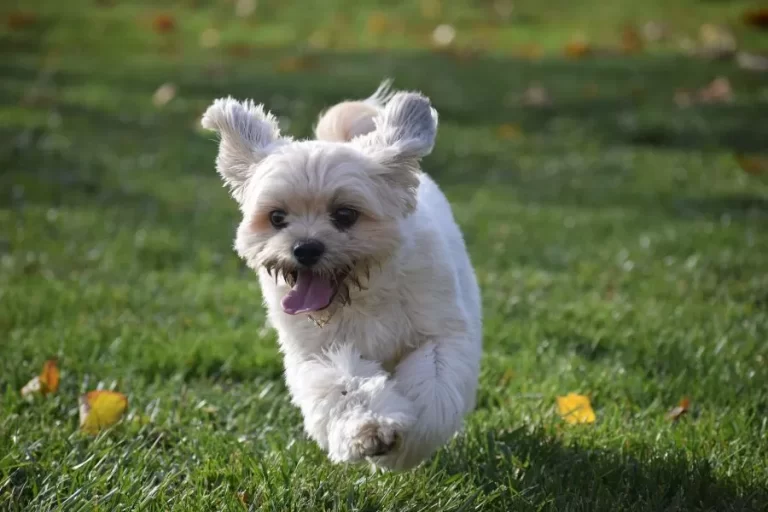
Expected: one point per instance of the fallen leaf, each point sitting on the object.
(320, 39)
(717, 91)
(679, 410)
(240, 50)
(653, 31)
(716, 41)
(49, 378)
(575, 408)
(20, 20)
(443, 35)
(101, 409)
(754, 165)
(757, 18)
(752, 61)
(577, 49)
(163, 23)
(504, 9)
(164, 94)
(243, 498)
(294, 63)
(377, 23)
(32, 387)
(244, 8)
(536, 96)
(46, 382)
(631, 42)
(529, 51)
(509, 131)
(210, 38)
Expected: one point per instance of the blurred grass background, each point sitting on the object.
(606, 161)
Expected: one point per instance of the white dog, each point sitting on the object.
(364, 273)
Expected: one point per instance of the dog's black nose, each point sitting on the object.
(308, 252)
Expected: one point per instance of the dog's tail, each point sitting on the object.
(349, 119)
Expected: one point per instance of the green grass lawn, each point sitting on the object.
(622, 253)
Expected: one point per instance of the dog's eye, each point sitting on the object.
(344, 218)
(277, 218)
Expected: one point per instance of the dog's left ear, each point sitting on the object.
(405, 130)
(248, 134)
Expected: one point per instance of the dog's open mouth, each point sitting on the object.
(309, 292)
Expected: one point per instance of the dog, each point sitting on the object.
(364, 272)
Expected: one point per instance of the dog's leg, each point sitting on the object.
(440, 378)
(350, 405)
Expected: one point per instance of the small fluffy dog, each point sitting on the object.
(364, 272)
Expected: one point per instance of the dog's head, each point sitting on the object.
(319, 213)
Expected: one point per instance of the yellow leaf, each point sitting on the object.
(577, 49)
(509, 131)
(49, 378)
(575, 408)
(377, 23)
(101, 409)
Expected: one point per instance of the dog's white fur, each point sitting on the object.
(388, 375)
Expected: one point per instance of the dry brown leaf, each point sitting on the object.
(574, 408)
(294, 63)
(101, 409)
(19, 20)
(753, 164)
(163, 23)
(757, 18)
(244, 498)
(239, 50)
(577, 49)
(675, 413)
(631, 42)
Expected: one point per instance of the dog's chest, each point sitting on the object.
(383, 334)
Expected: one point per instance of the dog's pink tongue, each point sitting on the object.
(310, 293)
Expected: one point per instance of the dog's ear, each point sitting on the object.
(248, 134)
(405, 130)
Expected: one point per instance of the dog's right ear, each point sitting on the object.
(248, 134)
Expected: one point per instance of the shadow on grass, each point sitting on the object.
(525, 470)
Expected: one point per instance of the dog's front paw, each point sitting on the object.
(362, 434)
(373, 439)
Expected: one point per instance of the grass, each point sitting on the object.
(622, 254)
